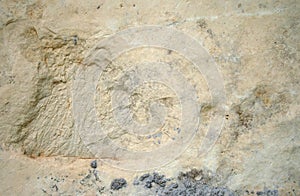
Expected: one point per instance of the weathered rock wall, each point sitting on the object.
(256, 49)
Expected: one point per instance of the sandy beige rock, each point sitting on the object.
(254, 44)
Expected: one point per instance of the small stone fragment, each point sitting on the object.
(148, 185)
(143, 177)
(118, 183)
(94, 164)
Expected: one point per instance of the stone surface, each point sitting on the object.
(255, 46)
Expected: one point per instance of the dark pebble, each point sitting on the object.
(148, 185)
(174, 185)
(143, 177)
(117, 184)
(260, 193)
(94, 164)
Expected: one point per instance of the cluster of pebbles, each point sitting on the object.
(191, 183)
(186, 184)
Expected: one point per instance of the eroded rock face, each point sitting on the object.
(255, 48)
(41, 65)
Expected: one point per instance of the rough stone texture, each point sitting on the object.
(255, 45)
